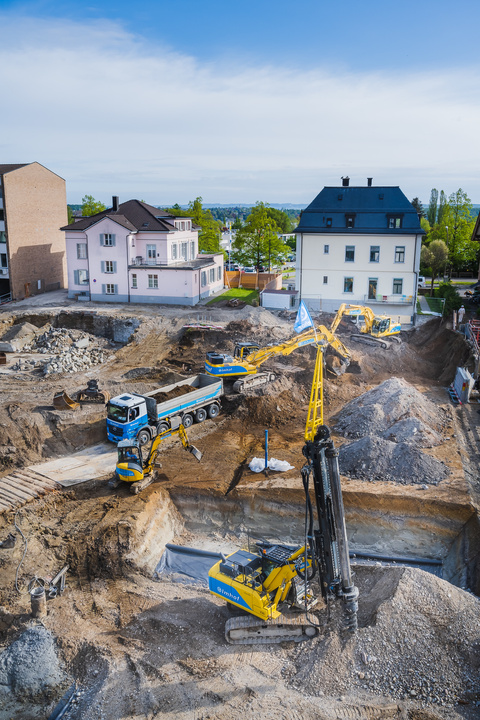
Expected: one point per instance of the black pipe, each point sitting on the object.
(392, 558)
(182, 550)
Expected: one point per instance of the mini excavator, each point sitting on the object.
(272, 582)
(133, 468)
(248, 357)
(375, 328)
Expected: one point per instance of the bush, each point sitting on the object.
(452, 299)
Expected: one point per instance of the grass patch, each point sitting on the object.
(247, 296)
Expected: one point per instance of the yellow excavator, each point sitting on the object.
(272, 584)
(133, 468)
(248, 357)
(375, 328)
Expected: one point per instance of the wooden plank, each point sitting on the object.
(14, 491)
(27, 486)
(16, 485)
(30, 482)
(38, 476)
(8, 498)
(4, 506)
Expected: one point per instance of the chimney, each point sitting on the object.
(369, 182)
(115, 203)
(345, 181)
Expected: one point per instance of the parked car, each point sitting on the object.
(230, 267)
(421, 282)
(249, 270)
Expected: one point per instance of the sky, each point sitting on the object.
(168, 100)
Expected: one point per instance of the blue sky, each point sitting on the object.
(239, 102)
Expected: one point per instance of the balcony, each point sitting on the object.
(389, 300)
(146, 262)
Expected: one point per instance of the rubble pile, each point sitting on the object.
(73, 350)
(392, 421)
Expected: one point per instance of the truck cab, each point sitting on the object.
(126, 415)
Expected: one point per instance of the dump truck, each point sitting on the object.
(131, 416)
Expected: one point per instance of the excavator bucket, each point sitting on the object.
(61, 401)
(195, 452)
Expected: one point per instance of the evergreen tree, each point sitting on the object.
(432, 207)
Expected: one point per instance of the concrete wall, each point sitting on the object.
(35, 210)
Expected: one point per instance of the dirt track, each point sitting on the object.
(141, 648)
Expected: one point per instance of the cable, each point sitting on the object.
(23, 556)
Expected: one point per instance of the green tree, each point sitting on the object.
(418, 207)
(90, 206)
(458, 227)
(452, 298)
(442, 208)
(281, 219)
(70, 215)
(210, 234)
(257, 243)
(434, 257)
(432, 207)
(237, 224)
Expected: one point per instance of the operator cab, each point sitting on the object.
(129, 452)
(243, 349)
(380, 326)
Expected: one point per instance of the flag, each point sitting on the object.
(303, 320)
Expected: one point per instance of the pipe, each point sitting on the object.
(392, 558)
(182, 550)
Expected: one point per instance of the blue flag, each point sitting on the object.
(303, 320)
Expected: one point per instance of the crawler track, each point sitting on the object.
(248, 630)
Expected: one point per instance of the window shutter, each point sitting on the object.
(102, 239)
(102, 266)
(76, 277)
(104, 289)
(115, 287)
(113, 240)
(114, 266)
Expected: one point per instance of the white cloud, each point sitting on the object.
(116, 115)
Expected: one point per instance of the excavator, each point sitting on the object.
(375, 327)
(248, 357)
(133, 468)
(273, 583)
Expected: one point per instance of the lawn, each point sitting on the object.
(247, 296)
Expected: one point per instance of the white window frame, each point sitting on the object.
(108, 240)
(134, 281)
(82, 251)
(203, 279)
(109, 266)
(326, 249)
(400, 253)
(110, 289)
(375, 249)
(399, 283)
(192, 250)
(212, 275)
(174, 251)
(153, 282)
(345, 280)
(349, 248)
(184, 251)
(151, 254)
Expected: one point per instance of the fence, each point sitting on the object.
(253, 281)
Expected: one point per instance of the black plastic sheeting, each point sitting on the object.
(187, 561)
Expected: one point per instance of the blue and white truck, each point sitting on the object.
(131, 416)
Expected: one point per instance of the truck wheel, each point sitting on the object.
(201, 415)
(187, 420)
(162, 427)
(143, 437)
(213, 411)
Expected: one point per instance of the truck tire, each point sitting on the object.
(201, 415)
(162, 427)
(144, 437)
(213, 411)
(187, 420)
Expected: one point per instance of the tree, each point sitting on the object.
(432, 207)
(418, 207)
(70, 215)
(434, 256)
(458, 225)
(90, 206)
(257, 242)
(281, 219)
(210, 234)
(442, 208)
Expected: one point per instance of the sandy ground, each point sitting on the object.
(140, 647)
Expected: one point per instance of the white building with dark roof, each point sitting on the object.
(134, 252)
(359, 245)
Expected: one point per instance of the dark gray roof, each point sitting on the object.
(8, 168)
(134, 215)
(371, 208)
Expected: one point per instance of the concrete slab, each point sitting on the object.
(87, 464)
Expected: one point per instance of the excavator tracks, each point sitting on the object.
(248, 630)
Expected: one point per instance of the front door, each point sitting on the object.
(372, 288)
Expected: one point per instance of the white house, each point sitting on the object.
(359, 245)
(134, 252)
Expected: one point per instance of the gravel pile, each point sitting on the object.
(73, 351)
(421, 643)
(378, 460)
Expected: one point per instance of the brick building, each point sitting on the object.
(33, 208)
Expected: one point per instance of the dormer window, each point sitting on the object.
(350, 221)
(394, 222)
(329, 222)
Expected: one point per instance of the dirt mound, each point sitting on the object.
(420, 643)
(384, 406)
(443, 347)
(412, 430)
(376, 459)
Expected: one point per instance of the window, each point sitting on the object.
(192, 251)
(212, 275)
(3, 260)
(182, 225)
(397, 286)
(110, 289)
(3, 237)
(348, 285)
(153, 281)
(174, 251)
(325, 279)
(374, 253)
(219, 273)
(400, 254)
(81, 251)
(108, 266)
(107, 240)
(183, 251)
(394, 222)
(151, 254)
(372, 288)
(326, 249)
(329, 222)
(350, 221)
(349, 253)
(134, 281)
(2, 217)
(203, 281)
(80, 277)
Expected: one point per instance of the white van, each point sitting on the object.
(421, 282)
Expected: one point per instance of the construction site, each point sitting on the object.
(98, 621)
